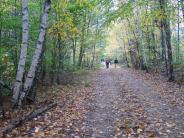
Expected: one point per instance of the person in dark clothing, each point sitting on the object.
(115, 62)
(107, 62)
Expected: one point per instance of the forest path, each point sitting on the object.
(112, 103)
(101, 119)
(126, 106)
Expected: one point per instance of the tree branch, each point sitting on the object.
(26, 118)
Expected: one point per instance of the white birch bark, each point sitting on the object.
(23, 54)
(38, 52)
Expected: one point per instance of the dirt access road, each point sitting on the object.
(126, 106)
(117, 103)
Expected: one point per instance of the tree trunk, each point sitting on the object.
(28, 85)
(94, 46)
(133, 54)
(136, 44)
(154, 45)
(60, 58)
(74, 52)
(85, 33)
(182, 6)
(53, 65)
(94, 54)
(163, 47)
(144, 66)
(23, 54)
(169, 49)
(165, 27)
(178, 40)
(0, 31)
(81, 54)
(126, 58)
(1, 104)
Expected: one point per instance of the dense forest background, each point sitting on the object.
(148, 35)
(75, 39)
(40, 40)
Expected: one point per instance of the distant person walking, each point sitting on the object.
(115, 62)
(107, 62)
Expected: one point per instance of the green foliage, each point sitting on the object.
(79, 29)
(137, 29)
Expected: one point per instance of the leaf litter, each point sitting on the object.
(117, 103)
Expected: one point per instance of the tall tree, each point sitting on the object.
(166, 29)
(29, 81)
(23, 54)
(182, 6)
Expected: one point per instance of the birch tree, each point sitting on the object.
(38, 53)
(21, 90)
(23, 54)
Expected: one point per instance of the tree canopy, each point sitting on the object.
(78, 34)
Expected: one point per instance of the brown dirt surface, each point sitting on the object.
(112, 103)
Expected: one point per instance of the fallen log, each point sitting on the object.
(26, 118)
